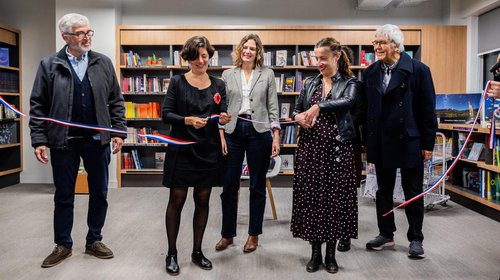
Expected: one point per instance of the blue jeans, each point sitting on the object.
(65, 163)
(258, 150)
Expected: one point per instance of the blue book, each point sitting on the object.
(4, 57)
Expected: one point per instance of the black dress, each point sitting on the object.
(196, 165)
(325, 206)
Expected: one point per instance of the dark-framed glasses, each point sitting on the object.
(380, 42)
(81, 34)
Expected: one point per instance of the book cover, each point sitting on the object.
(281, 58)
(490, 105)
(286, 162)
(475, 152)
(457, 108)
(8, 133)
(289, 84)
(4, 57)
(159, 160)
(285, 111)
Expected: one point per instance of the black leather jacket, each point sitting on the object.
(344, 95)
(52, 96)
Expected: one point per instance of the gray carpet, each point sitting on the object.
(459, 243)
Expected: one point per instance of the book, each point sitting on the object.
(4, 57)
(475, 152)
(457, 108)
(286, 162)
(281, 58)
(8, 133)
(285, 111)
(289, 84)
(159, 160)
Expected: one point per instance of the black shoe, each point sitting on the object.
(416, 250)
(380, 242)
(172, 265)
(344, 245)
(331, 265)
(316, 258)
(199, 259)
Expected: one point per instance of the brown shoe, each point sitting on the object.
(99, 250)
(223, 243)
(58, 255)
(251, 244)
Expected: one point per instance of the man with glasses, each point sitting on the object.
(400, 132)
(77, 85)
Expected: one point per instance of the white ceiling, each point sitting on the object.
(382, 4)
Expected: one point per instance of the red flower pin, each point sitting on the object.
(217, 98)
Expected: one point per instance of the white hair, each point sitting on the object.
(68, 21)
(394, 34)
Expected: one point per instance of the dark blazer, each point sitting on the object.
(345, 91)
(402, 120)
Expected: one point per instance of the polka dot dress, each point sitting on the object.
(325, 205)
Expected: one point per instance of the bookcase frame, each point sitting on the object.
(442, 48)
(11, 154)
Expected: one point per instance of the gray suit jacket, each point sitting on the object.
(263, 98)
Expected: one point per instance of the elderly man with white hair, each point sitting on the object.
(399, 132)
(77, 85)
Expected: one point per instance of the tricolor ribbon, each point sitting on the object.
(453, 163)
(159, 137)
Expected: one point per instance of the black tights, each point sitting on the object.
(201, 197)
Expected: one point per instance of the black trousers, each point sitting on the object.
(65, 163)
(257, 146)
(411, 180)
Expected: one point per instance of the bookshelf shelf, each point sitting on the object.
(144, 93)
(473, 196)
(11, 162)
(286, 172)
(145, 144)
(465, 128)
(143, 171)
(165, 42)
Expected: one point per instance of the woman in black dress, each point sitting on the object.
(325, 205)
(190, 101)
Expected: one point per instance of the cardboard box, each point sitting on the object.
(82, 186)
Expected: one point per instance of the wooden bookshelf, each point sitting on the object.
(473, 196)
(426, 42)
(11, 150)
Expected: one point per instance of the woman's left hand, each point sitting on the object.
(276, 147)
(427, 155)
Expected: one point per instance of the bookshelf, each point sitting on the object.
(10, 90)
(287, 42)
(468, 181)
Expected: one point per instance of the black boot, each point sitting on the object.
(344, 245)
(330, 261)
(199, 259)
(172, 265)
(316, 258)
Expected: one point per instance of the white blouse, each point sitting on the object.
(245, 92)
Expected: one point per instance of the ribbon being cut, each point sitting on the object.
(174, 141)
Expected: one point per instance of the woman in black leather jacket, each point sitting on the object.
(325, 207)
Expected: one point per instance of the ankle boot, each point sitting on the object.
(316, 258)
(330, 261)
(171, 265)
(200, 260)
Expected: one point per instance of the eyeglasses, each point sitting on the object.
(380, 42)
(81, 34)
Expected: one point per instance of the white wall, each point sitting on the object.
(37, 41)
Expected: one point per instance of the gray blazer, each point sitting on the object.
(263, 98)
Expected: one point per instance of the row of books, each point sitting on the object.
(6, 113)
(133, 135)
(133, 160)
(483, 182)
(130, 59)
(288, 134)
(145, 84)
(9, 81)
(289, 83)
(149, 110)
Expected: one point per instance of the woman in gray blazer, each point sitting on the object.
(251, 95)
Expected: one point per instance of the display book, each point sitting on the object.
(11, 91)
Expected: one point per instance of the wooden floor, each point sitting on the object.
(459, 243)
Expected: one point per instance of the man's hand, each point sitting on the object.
(116, 144)
(427, 155)
(41, 154)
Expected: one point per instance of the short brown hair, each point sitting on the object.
(259, 56)
(190, 49)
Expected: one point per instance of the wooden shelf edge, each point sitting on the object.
(5, 146)
(286, 172)
(141, 171)
(464, 127)
(4, 93)
(10, 68)
(471, 196)
(11, 171)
